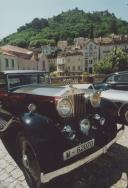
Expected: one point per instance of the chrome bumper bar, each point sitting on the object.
(51, 175)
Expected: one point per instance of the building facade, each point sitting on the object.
(70, 63)
(62, 44)
(8, 62)
(97, 48)
(15, 58)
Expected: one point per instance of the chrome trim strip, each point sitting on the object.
(7, 125)
(49, 176)
(4, 111)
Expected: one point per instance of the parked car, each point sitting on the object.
(115, 88)
(51, 130)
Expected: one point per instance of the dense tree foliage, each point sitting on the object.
(67, 26)
(52, 67)
(117, 60)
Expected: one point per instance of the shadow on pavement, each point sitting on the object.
(104, 172)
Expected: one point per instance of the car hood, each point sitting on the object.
(51, 91)
(39, 90)
(115, 95)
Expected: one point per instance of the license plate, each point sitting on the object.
(78, 149)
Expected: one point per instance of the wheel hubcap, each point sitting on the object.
(126, 115)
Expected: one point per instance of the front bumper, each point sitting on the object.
(49, 176)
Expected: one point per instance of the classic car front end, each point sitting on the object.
(54, 129)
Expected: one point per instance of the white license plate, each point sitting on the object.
(78, 149)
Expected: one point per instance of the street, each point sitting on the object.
(108, 171)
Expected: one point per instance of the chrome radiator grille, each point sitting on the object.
(79, 106)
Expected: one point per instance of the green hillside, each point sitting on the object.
(66, 26)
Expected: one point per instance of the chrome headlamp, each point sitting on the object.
(64, 108)
(95, 99)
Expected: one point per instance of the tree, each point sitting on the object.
(91, 35)
(117, 60)
(52, 67)
(104, 66)
(69, 25)
(19, 42)
(113, 27)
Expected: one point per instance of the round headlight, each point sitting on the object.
(64, 108)
(95, 99)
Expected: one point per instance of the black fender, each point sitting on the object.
(45, 138)
(108, 109)
(38, 126)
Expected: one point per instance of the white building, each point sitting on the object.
(62, 44)
(70, 62)
(48, 50)
(15, 58)
(79, 42)
(8, 62)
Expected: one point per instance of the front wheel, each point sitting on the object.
(28, 161)
(124, 115)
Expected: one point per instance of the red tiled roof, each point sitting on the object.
(109, 40)
(16, 49)
(5, 53)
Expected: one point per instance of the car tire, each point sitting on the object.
(124, 115)
(27, 160)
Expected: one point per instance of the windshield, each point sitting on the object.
(119, 78)
(20, 79)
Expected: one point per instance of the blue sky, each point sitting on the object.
(15, 13)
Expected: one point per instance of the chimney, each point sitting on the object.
(35, 53)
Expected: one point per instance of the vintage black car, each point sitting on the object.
(52, 130)
(115, 88)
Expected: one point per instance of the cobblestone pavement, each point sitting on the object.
(108, 171)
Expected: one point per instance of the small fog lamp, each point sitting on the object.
(32, 107)
(97, 116)
(102, 121)
(85, 126)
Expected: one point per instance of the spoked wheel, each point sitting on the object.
(28, 162)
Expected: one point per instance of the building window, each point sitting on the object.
(73, 68)
(13, 64)
(90, 61)
(79, 68)
(91, 46)
(43, 63)
(90, 70)
(6, 63)
(69, 68)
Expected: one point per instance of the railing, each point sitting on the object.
(65, 80)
